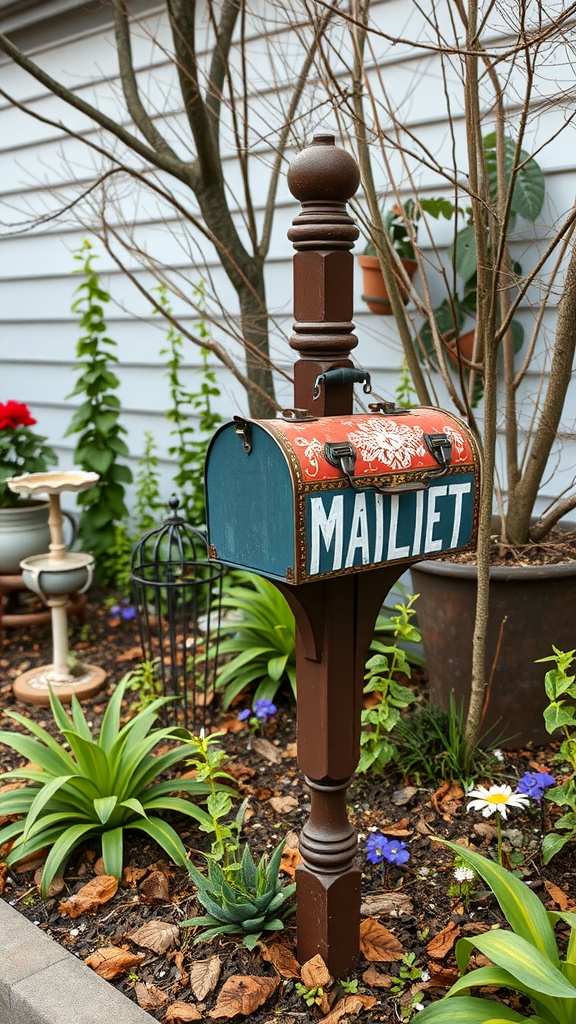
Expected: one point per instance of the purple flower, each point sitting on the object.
(129, 612)
(115, 610)
(244, 715)
(376, 847)
(533, 784)
(264, 709)
(397, 852)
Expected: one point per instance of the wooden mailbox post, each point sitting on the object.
(320, 496)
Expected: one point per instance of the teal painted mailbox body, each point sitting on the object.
(302, 499)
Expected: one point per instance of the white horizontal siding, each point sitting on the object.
(41, 168)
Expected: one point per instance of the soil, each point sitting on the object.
(411, 902)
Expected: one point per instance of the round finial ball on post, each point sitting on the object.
(323, 171)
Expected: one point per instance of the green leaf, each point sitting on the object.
(520, 959)
(468, 1010)
(464, 252)
(552, 844)
(42, 798)
(165, 836)
(557, 715)
(104, 807)
(61, 850)
(521, 907)
(112, 852)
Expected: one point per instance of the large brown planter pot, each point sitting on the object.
(375, 293)
(539, 605)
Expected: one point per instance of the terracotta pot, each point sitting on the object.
(536, 605)
(24, 531)
(375, 293)
(464, 345)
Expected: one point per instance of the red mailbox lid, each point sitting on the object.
(384, 443)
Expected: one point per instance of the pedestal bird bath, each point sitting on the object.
(54, 576)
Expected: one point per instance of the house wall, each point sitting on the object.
(43, 169)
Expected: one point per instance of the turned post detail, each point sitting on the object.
(335, 617)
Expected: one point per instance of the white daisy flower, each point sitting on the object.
(464, 874)
(496, 798)
(498, 754)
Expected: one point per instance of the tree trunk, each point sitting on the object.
(254, 319)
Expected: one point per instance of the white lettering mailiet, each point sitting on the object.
(458, 490)
(358, 532)
(394, 551)
(327, 527)
(432, 518)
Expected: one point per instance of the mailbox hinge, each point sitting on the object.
(244, 429)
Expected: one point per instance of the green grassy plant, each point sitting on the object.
(561, 714)
(98, 789)
(263, 642)
(525, 959)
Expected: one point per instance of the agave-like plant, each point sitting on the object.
(263, 641)
(525, 959)
(97, 789)
(242, 897)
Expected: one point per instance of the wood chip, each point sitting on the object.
(267, 750)
(56, 885)
(397, 828)
(243, 994)
(386, 904)
(204, 976)
(110, 961)
(377, 944)
(132, 876)
(443, 942)
(155, 887)
(290, 750)
(315, 973)
(91, 896)
(156, 935)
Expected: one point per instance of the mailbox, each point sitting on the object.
(299, 499)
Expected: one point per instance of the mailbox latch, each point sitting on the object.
(244, 429)
(342, 455)
(440, 448)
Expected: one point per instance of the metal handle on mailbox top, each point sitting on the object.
(342, 455)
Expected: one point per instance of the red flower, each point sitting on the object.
(15, 414)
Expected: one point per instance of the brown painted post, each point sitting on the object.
(335, 617)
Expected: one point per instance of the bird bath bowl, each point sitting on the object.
(54, 576)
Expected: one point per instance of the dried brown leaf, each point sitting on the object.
(155, 887)
(347, 1006)
(243, 994)
(132, 876)
(557, 895)
(373, 977)
(267, 750)
(442, 977)
(447, 799)
(377, 944)
(150, 997)
(204, 976)
(284, 804)
(404, 795)
(110, 961)
(289, 861)
(178, 957)
(315, 973)
(443, 942)
(94, 894)
(397, 828)
(132, 654)
(156, 935)
(386, 904)
(283, 959)
(180, 1012)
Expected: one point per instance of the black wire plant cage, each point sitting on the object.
(177, 590)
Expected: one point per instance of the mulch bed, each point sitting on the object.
(407, 912)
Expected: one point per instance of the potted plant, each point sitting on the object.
(401, 226)
(23, 524)
(490, 169)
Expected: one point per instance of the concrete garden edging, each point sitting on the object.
(42, 983)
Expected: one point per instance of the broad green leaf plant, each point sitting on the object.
(525, 959)
(97, 789)
(262, 642)
(561, 714)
